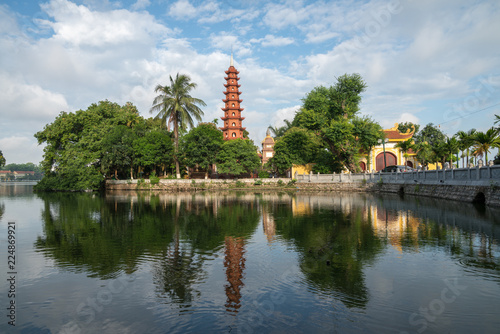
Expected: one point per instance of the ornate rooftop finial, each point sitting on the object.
(268, 133)
(231, 63)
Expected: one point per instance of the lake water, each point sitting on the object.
(244, 262)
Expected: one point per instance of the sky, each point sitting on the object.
(426, 61)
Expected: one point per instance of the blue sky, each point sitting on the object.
(424, 61)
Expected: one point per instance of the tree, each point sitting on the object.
(405, 147)
(75, 147)
(174, 104)
(330, 113)
(485, 141)
(451, 147)
(466, 139)
(237, 156)
(298, 146)
(153, 149)
(201, 145)
(430, 134)
(367, 132)
(2, 159)
(119, 153)
(424, 153)
(278, 132)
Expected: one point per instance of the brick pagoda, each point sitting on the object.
(233, 122)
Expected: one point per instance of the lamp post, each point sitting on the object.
(383, 141)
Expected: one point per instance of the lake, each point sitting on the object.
(246, 262)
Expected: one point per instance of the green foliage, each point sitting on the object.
(263, 174)
(2, 159)
(239, 184)
(75, 145)
(201, 146)
(430, 134)
(291, 183)
(485, 141)
(238, 156)
(154, 149)
(298, 146)
(330, 116)
(327, 163)
(280, 183)
(153, 179)
(258, 182)
(278, 132)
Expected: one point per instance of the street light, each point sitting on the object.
(380, 141)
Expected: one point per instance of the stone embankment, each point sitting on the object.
(480, 185)
(465, 184)
(200, 184)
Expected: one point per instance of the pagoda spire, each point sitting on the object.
(233, 122)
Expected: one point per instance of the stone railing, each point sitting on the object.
(479, 175)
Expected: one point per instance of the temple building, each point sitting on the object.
(267, 148)
(233, 122)
(393, 155)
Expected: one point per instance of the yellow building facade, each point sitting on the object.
(374, 160)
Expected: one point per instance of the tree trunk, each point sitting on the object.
(176, 142)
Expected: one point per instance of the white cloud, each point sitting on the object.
(79, 26)
(17, 149)
(183, 10)
(271, 40)
(141, 4)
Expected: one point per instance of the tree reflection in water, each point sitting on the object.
(335, 237)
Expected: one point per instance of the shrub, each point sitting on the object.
(280, 183)
(257, 182)
(153, 179)
(291, 183)
(239, 184)
(263, 175)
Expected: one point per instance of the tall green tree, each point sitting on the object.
(430, 134)
(330, 114)
(201, 145)
(485, 141)
(237, 156)
(451, 146)
(175, 105)
(465, 141)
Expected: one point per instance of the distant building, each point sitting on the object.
(267, 148)
(393, 155)
(16, 174)
(233, 122)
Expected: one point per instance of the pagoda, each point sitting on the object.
(232, 119)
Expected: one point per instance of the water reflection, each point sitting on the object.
(333, 239)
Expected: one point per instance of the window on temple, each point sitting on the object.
(234, 134)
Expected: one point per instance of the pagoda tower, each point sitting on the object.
(233, 122)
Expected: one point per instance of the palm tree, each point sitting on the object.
(484, 141)
(405, 146)
(175, 105)
(466, 139)
(451, 146)
(278, 132)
